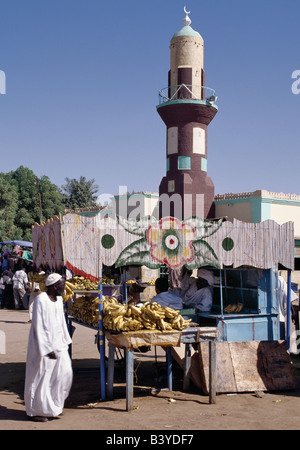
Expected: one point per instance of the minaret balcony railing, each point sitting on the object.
(187, 92)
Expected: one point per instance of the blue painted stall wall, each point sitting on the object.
(259, 319)
(251, 328)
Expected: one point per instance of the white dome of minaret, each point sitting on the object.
(187, 30)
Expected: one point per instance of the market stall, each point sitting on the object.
(244, 258)
(85, 245)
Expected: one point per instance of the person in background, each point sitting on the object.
(10, 262)
(4, 263)
(20, 286)
(164, 296)
(49, 375)
(180, 281)
(134, 294)
(282, 295)
(200, 291)
(8, 295)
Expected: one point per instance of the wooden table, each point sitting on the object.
(168, 339)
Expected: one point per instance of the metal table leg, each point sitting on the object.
(169, 367)
(187, 367)
(212, 371)
(102, 365)
(129, 380)
(110, 372)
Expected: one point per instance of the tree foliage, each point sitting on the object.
(8, 209)
(26, 199)
(79, 193)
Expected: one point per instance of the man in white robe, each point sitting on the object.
(49, 373)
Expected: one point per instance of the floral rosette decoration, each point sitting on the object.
(169, 241)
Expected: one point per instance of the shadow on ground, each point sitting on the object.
(86, 387)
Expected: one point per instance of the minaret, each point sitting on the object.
(187, 107)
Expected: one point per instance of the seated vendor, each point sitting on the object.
(199, 293)
(164, 297)
(134, 294)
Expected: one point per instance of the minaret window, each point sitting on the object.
(184, 162)
(172, 145)
(168, 164)
(199, 140)
(204, 164)
(171, 186)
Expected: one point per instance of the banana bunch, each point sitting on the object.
(234, 308)
(172, 320)
(69, 291)
(38, 278)
(84, 284)
(118, 317)
(150, 282)
(152, 316)
(179, 323)
(109, 280)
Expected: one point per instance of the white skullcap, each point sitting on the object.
(53, 278)
(207, 275)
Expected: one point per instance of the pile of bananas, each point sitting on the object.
(119, 317)
(86, 310)
(77, 284)
(83, 284)
(151, 316)
(234, 308)
(109, 279)
(151, 282)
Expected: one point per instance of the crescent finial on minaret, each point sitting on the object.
(187, 21)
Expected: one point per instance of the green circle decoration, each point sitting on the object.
(107, 241)
(227, 244)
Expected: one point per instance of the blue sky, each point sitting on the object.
(82, 83)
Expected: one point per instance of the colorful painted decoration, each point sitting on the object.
(86, 243)
(171, 242)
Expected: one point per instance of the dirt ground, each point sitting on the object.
(155, 407)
